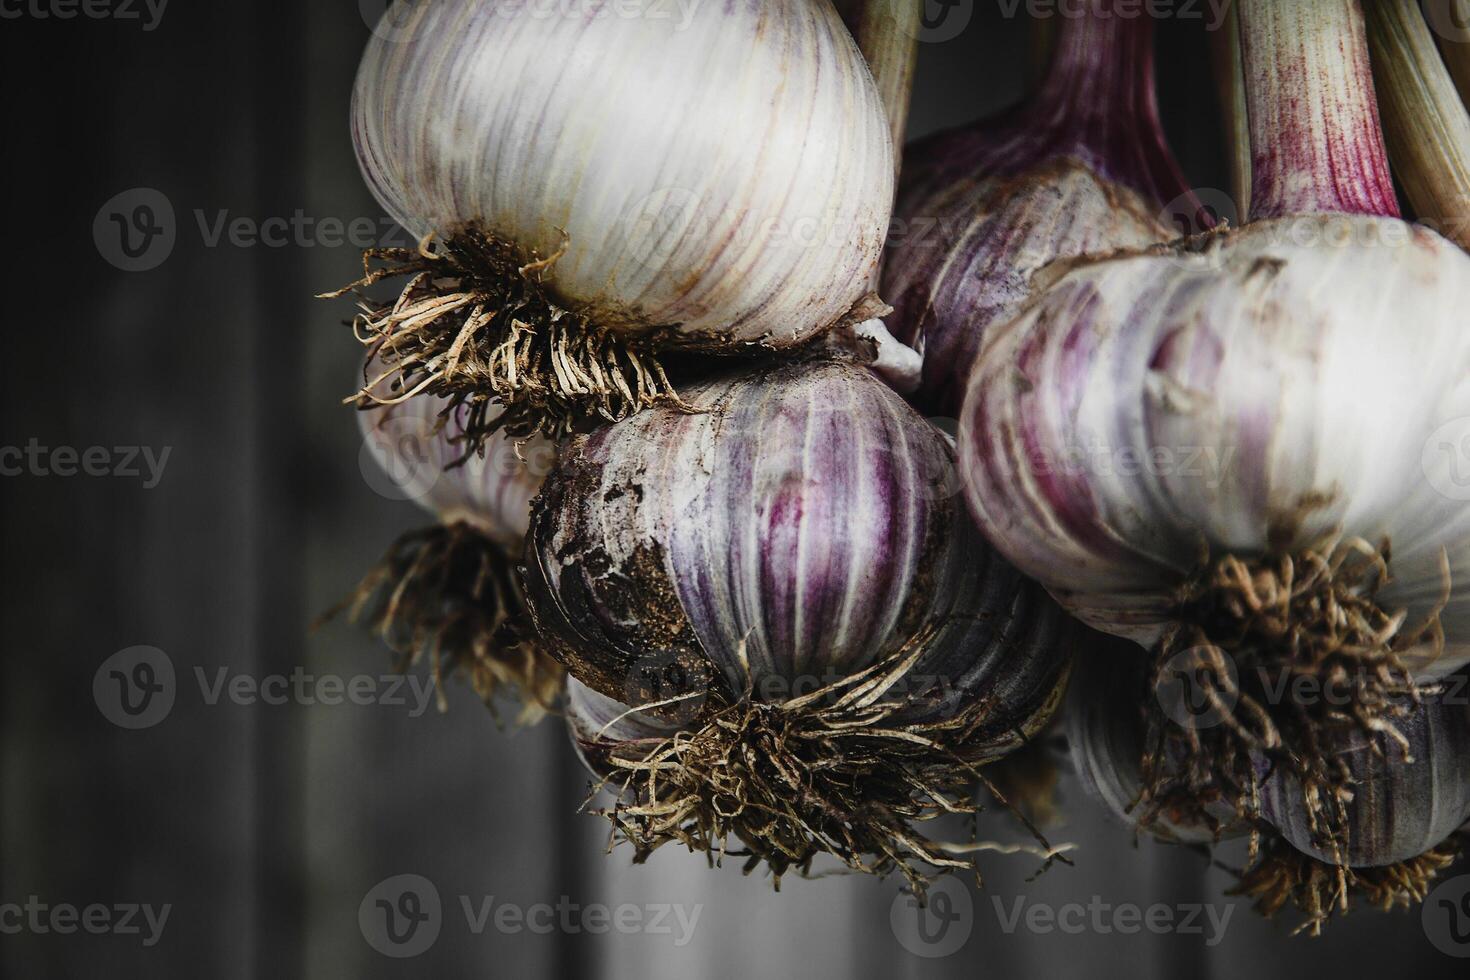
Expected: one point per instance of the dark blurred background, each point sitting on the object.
(264, 828)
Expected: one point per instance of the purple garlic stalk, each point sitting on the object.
(1081, 167)
(1243, 446)
(787, 581)
(449, 593)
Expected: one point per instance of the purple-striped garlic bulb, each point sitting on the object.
(1401, 822)
(1107, 741)
(1399, 825)
(450, 593)
(1081, 167)
(1242, 448)
(788, 580)
(606, 185)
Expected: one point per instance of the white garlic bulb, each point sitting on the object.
(610, 183)
(1252, 393)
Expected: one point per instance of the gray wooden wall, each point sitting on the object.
(265, 827)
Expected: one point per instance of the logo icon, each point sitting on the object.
(664, 676)
(1189, 213)
(1446, 459)
(401, 916)
(944, 20)
(1445, 18)
(135, 231)
(398, 459)
(1446, 917)
(659, 222)
(135, 688)
(939, 928)
(1197, 687)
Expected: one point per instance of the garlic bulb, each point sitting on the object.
(1243, 444)
(1407, 797)
(490, 489)
(450, 593)
(1213, 394)
(789, 576)
(1107, 739)
(610, 184)
(1400, 824)
(1082, 167)
(1397, 825)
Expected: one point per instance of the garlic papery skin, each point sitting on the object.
(620, 179)
(790, 572)
(1408, 797)
(1082, 167)
(599, 726)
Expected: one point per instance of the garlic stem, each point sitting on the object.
(1098, 56)
(1426, 124)
(1042, 49)
(1230, 81)
(1106, 52)
(1450, 20)
(887, 33)
(1316, 143)
(896, 363)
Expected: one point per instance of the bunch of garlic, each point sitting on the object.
(1239, 449)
